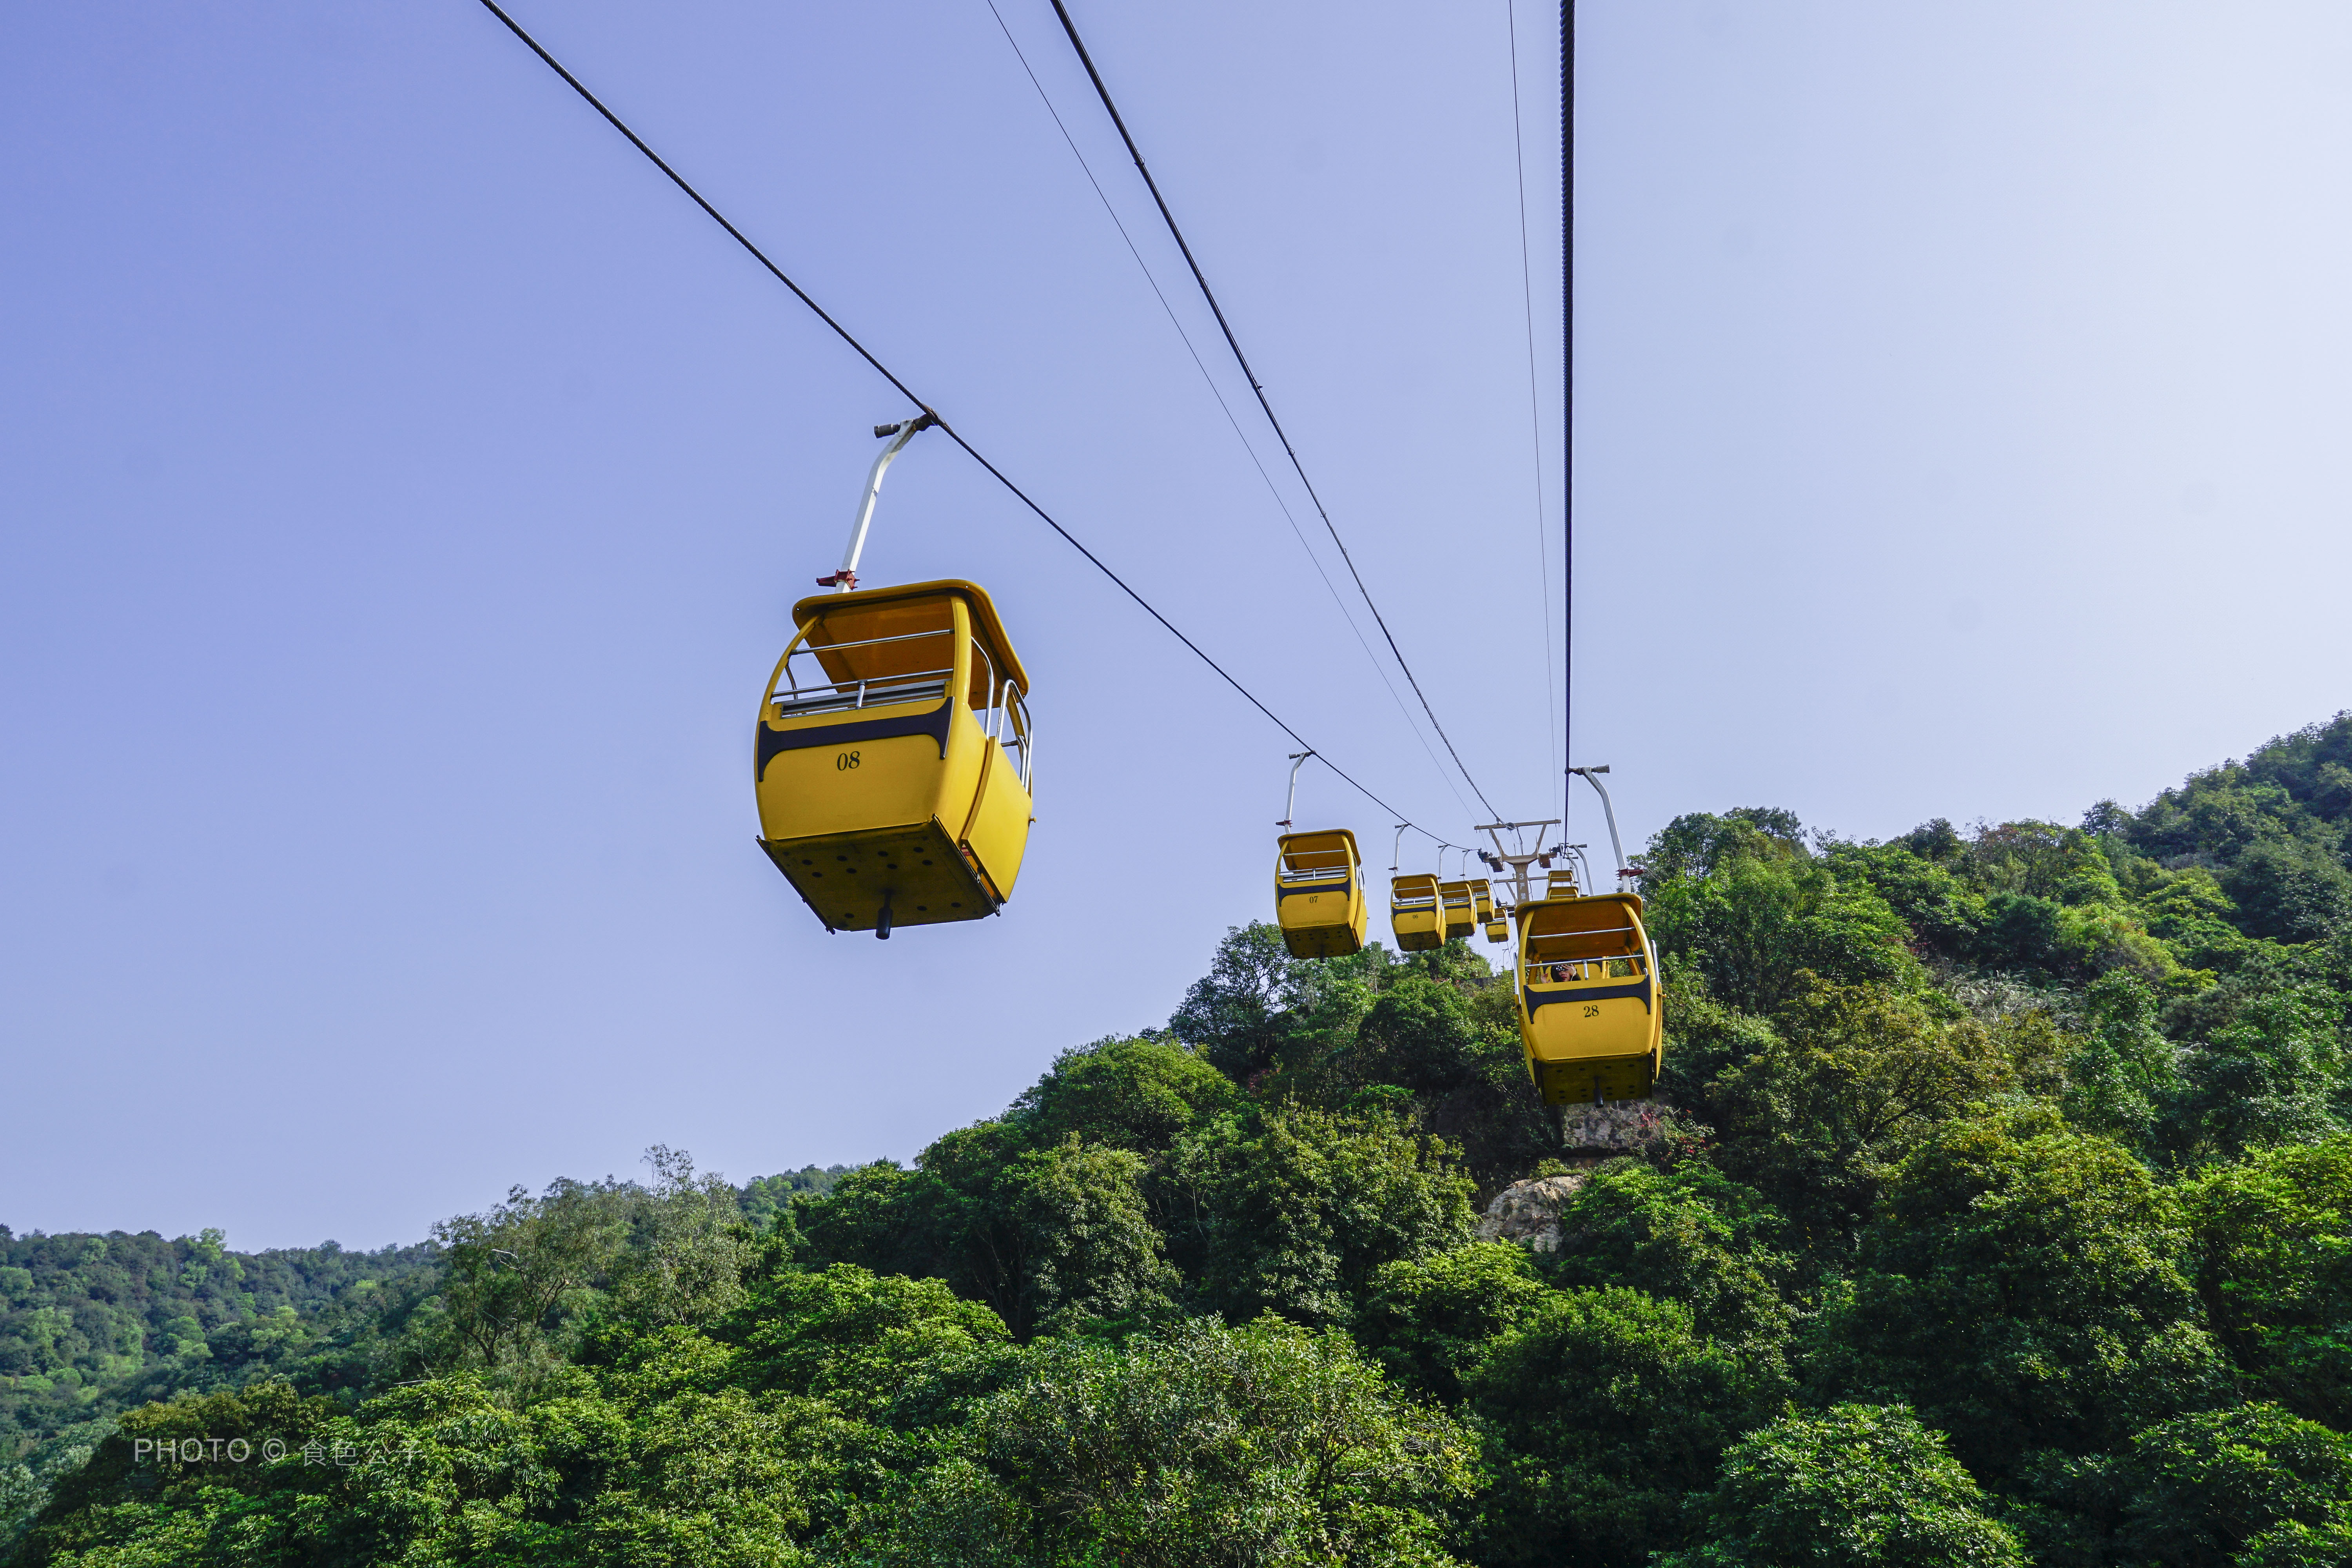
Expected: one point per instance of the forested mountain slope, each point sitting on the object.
(92, 1325)
(2002, 1219)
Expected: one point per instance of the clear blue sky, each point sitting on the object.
(405, 489)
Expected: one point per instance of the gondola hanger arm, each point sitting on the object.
(1616, 847)
(845, 579)
(1289, 807)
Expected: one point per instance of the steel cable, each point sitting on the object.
(1233, 343)
(885, 372)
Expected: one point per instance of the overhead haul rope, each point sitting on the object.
(1534, 410)
(1233, 343)
(1226, 409)
(1568, 394)
(883, 370)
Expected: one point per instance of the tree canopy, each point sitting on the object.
(2006, 1216)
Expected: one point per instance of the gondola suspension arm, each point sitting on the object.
(1616, 847)
(1297, 761)
(844, 580)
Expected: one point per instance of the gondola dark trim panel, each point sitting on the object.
(1639, 990)
(771, 741)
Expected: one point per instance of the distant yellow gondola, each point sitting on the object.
(1416, 914)
(1590, 1014)
(1318, 894)
(1482, 894)
(893, 757)
(1460, 907)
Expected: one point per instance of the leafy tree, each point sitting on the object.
(1420, 1037)
(1138, 1094)
(1764, 914)
(2037, 1049)
(687, 1246)
(2044, 860)
(640, 1468)
(857, 1340)
(1238, 1011)
(766, 1197)
(2022, 931)
(1704, 1038)
(2276, 1271)
(1858, 1078)
(25, 1485)
(2021, 1286)
(1201, 1446)
(90, 1325)
(1699, 844)
(2314, 766)
(132, 1505)
(523, 1274)
(1452, 1042)
(1290, 1210)
(1924, 886)
(1606, 1411)
(879, 1217)
(2119, 1074)
(2204, 1487)
(2052, 942)
(2294, 1544)
(1431, 1320)
(2220, 1488)
(2289, 890)
(2222, 813)
(1689, 1236)
(1936, 840)
(1856, 1486)
(1081, 1243)
(2187, 910)
(1047, 1237)
(2267, 1077)
(2108, 823)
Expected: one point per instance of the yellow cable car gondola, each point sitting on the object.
(1416, 914)
(893, 772)
(1318, 885)
(1461, 907)
(893, 755)
(1497, 926)
(1589, 1016)
(1318, 894)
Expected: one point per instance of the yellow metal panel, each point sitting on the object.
(1000, 824)
(851, 782)
(1460, 907)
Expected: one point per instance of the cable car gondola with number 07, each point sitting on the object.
(1318, 885)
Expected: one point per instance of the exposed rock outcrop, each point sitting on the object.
(1627, 1127)
(1528, 1212)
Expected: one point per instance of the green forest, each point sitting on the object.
(1998, 1215)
